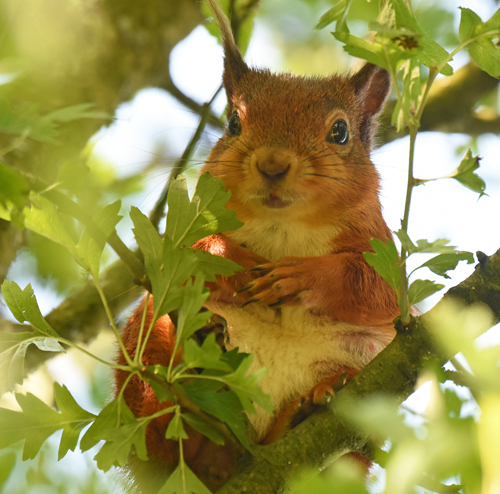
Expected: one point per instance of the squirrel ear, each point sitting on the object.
(372, 85)
(234, 66)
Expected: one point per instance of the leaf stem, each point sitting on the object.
(112, 322)
(190, 406)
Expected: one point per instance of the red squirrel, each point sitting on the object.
(296, 158)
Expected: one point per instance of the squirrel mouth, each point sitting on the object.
(275, 202)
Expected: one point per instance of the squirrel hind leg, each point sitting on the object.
(304, 405)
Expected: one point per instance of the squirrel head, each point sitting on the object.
(297, 148)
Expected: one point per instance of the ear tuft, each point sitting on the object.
(234, 66)
(371, 85)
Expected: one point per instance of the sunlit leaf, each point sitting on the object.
(89, 247)
(37, 422)
(421, 289)
(466, 176)
(447, 262)
(385, 260)
(480, 37)
(175, 429)
(183, 481)
(189, 221)
(44, 219)
(336, 13)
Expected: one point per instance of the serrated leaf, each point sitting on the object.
(357, 47)
(385, 260)
(431, 54)
(211, 265)
(89, 247)
(466, 176)
(223, 405)
(405, 109)
(482, 48)
(438, 246)
(13, 348)
(117, 425)
(76, 419)
(246, 387)
(189, 221)
(203, 427)
(24, 307)
(151, 246)
(190, 319)
(37, 422)
(421, 289)
(175, 429)
(120, 442)
(447, 262)
(336, 13)
(183, 481)
(13, 187)
(207, 356)
(44, 219)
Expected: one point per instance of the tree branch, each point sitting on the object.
(325, 436)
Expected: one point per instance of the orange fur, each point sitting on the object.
(309, 306)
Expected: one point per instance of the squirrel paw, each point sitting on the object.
(285, 282)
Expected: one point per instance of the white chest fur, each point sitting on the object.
(297, 347)
(274, 239)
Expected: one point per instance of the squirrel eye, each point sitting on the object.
(234, 125)
(339, 133)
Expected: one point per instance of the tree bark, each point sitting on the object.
(325, 435)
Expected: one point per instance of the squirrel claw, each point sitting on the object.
(251, 301)
(280, 301)
(245, 288)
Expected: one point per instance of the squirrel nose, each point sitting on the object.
(273, 165)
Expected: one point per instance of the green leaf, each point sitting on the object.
(211, 265)
(90, 248)
(76, 418)
(76, 112)
(13, 187)
(480, 38)
(123, 434)
(175, 429)
(13, 346)
(7, 463)
(223, 405)
(447, 262)
(385, 260)
(336, 13)
(37, 422)
(44, 219)
(24, 307)
(357, 47)
(421, 289)
(189, 221)
(246, 386)
(183, 481)
(151, 246)
(466, 176)
(190, 319)
(203, 427)
(438, 246)
(410, 95)
(207, 356)
(431, 54)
